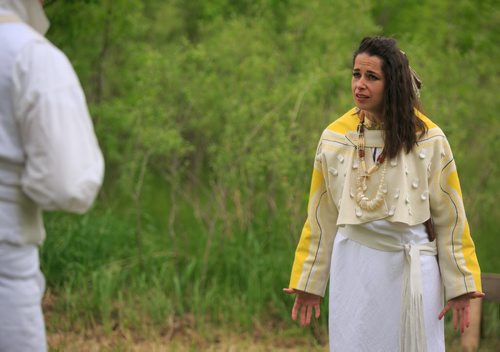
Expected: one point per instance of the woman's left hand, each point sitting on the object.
(460, 309)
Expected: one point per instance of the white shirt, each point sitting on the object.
(49, 155)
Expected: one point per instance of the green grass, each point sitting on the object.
(101, 276)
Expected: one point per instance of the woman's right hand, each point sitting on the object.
(304, 305)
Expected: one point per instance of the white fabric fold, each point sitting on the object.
(412, 337)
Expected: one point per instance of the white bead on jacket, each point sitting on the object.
(418, 185)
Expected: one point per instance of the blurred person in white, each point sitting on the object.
(49, 160)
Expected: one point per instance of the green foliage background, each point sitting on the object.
(208, 113)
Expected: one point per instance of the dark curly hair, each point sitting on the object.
(401, 124)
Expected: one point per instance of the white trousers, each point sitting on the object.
(22, 328)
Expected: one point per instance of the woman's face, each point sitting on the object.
(368, 83)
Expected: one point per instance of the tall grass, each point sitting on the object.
(100, 276)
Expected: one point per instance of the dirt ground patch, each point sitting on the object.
(98, 341)
(226, 342)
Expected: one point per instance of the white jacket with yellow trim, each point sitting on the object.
(420, 185)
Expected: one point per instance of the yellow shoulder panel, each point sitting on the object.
(347, 122)
(426, 120)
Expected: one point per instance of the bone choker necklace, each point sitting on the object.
(363, 201)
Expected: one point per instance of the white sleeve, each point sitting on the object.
(64, 165)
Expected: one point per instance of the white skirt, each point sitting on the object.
(366, 289)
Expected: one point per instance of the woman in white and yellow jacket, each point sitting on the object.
(384, 182)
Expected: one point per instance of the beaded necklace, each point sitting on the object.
(363, 201)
